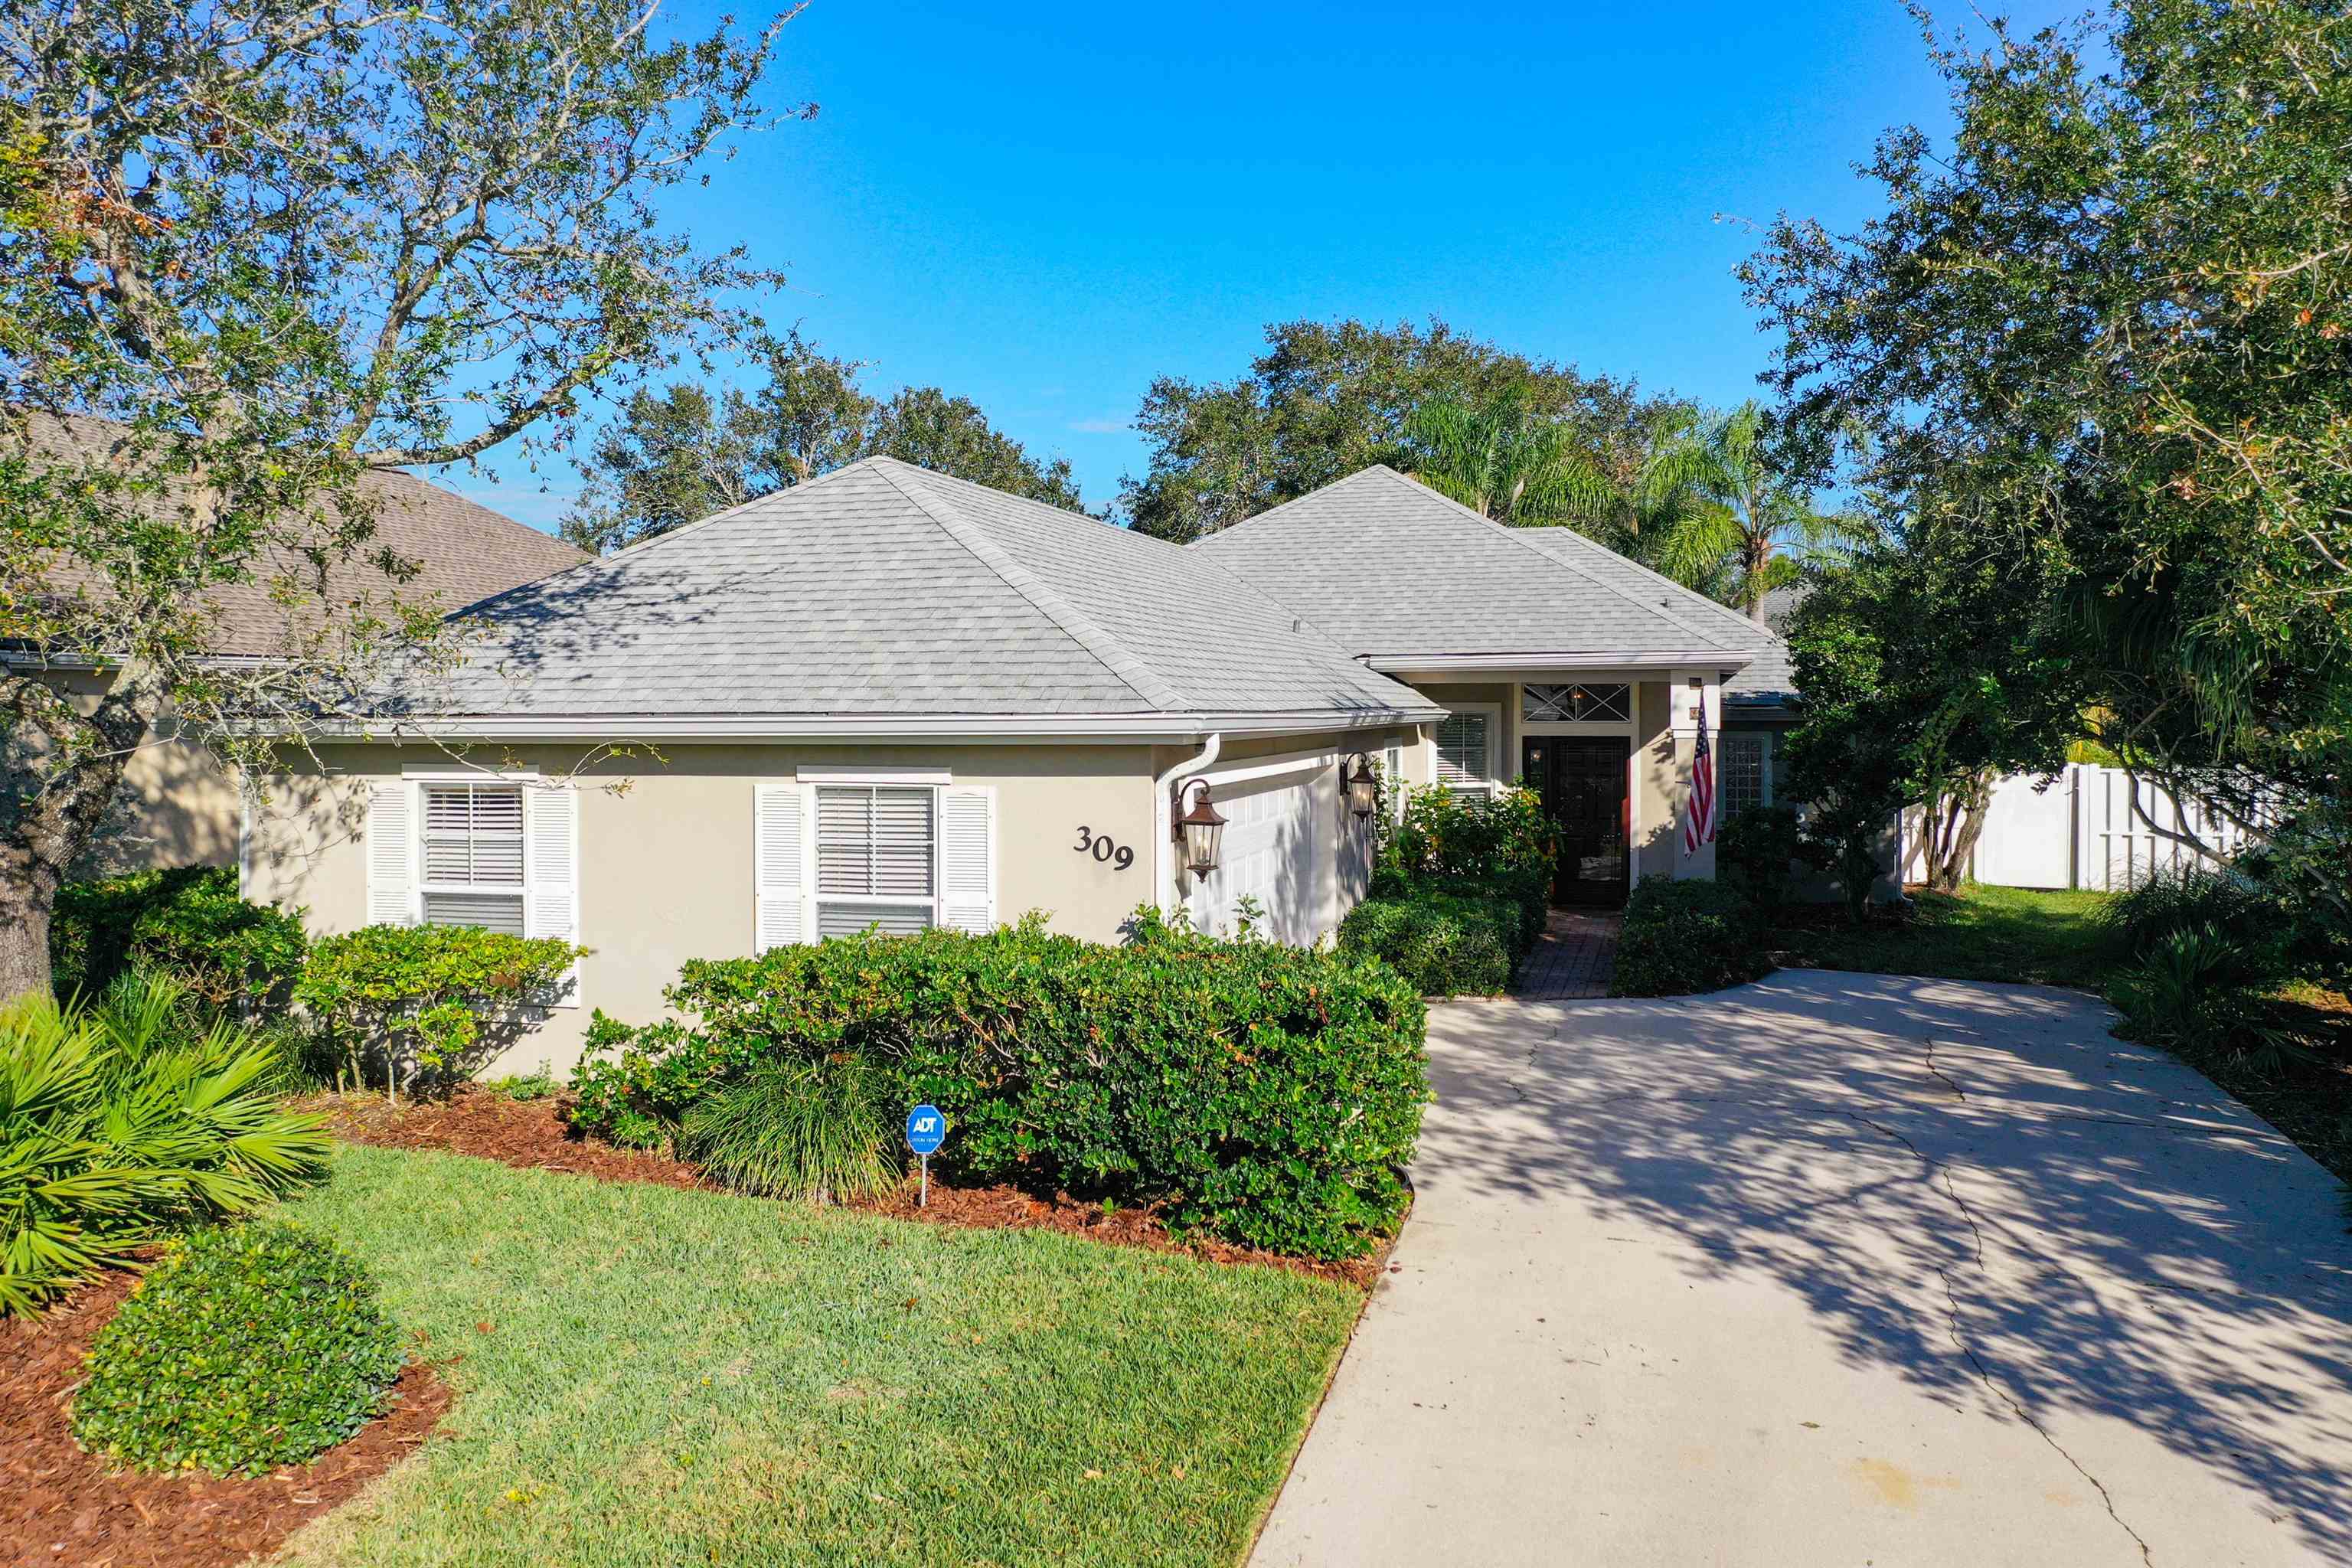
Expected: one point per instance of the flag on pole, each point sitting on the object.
(1698, 823)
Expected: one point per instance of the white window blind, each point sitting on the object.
(1747, 772)
(473, 855)
(877, 858)
(1462, 750)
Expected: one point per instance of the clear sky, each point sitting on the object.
(1044, 206)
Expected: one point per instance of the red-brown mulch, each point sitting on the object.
(60, 1505)
(533, 1134)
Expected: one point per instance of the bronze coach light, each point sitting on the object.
(1201, 831)
(1363, 789)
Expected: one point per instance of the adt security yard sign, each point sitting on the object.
(926, 1131)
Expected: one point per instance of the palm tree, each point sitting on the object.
(1733, 524)
(1505, 462)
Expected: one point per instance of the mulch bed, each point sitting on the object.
(533, 1134)
(59, 1505)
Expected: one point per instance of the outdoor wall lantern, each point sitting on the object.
(1363, 789)
(1200, 830)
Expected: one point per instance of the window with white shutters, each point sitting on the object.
(1463, 759)
(472, 863)
(877, 858)
(1747, 774)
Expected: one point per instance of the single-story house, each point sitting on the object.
(889, 697)
(178, 806)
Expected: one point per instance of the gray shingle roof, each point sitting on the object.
(1390, 568)
(882, 589)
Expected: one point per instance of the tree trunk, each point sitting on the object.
(24, 943)
(1955, 822)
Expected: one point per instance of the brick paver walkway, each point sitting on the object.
(1575, 956)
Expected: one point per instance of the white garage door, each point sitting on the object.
(1279, 840)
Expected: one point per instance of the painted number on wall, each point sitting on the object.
(1117, 856)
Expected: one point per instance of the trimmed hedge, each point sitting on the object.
(1267, 1094)
(189, 922)
(249, 1346)
(1444, 944)
(447, 998)
(1682, 937)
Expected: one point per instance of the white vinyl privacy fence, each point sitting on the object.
(2079, 830)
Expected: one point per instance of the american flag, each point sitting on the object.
(1698, 823)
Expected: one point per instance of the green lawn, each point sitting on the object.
(1982, 933)
(661, 1377)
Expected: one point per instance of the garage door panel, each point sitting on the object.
(1274, 852)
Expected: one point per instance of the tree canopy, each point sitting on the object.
(673, 455)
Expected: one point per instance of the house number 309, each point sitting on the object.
(1117, 856)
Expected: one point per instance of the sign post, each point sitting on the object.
(926, 1131)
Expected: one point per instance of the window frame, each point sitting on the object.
(1493, 714)
(1631, 698)
(425, 889)
(1763, 739)
(814, 847)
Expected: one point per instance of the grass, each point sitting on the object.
(654, 1376)
(2015, 934)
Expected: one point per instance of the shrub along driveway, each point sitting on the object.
(1839, 1268)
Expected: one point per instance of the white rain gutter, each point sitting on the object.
(1043, 728)
(1726, 658)
(1163, 815)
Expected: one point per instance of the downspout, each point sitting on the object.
(1163, 884)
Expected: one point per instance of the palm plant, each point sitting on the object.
(1505, 461)
(1729, 525)
(120, 1120)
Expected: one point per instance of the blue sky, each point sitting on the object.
(1042, 207)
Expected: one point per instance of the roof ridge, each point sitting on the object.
(1517, 536)
(1113, 654)
(1721, 611)
(473, 508)
(1368, 469)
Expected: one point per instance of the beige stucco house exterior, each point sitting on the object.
(888, 697)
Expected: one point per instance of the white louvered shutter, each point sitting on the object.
(779, 888)
(551, 873)
(391, 849)
(968, 858)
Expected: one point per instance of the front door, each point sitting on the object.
(1582, 780)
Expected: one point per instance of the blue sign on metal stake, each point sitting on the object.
(926, 1131)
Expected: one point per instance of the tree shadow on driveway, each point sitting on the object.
(1974, 1185)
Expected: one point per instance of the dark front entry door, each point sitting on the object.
(1582, 780)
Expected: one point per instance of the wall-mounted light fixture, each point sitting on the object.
(1363, 787)
(1200, 830)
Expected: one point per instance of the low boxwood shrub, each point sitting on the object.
(188, 923)
(430, 1000)
(248, 1346)
(1686, 936)
(1443, 944)
(1265, 1094)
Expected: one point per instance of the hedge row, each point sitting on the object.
(1682, 937)
(1267, 1094)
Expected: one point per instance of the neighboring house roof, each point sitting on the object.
(886, 590)
(464, 551)
(1394, 571)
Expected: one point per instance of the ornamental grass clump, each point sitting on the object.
(820, 1131)
(247, 1347)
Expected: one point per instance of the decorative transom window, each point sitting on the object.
(877, 858)
(1575, 704)
(1746, 780)
(1462, 752)
(473, 856)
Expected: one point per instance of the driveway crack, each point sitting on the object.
(1993, 1386)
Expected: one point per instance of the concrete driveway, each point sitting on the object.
(1839, 1269)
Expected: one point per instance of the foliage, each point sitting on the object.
(1504, 462)
(247, 1347)
(819, 1130)
(671, 456)
(1444, 944)
(254, 252)
(1756, 853)
(116, 1124)
(447, 998)
(664, 1364)
(2100, 352)
(188, 923)
(1471, 835)
(1263, 1093)
(1327, 399)
(2200, 991)
(1686, 936)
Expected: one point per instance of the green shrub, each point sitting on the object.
(2200, 991)
(440, 999)
(821, 1131)
(249, 1346)
(1471, 836)
(1756, 853)
(1443, 945)
(1263, 1093)
(1683, 936)
(117, 1123)
(188, 923)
